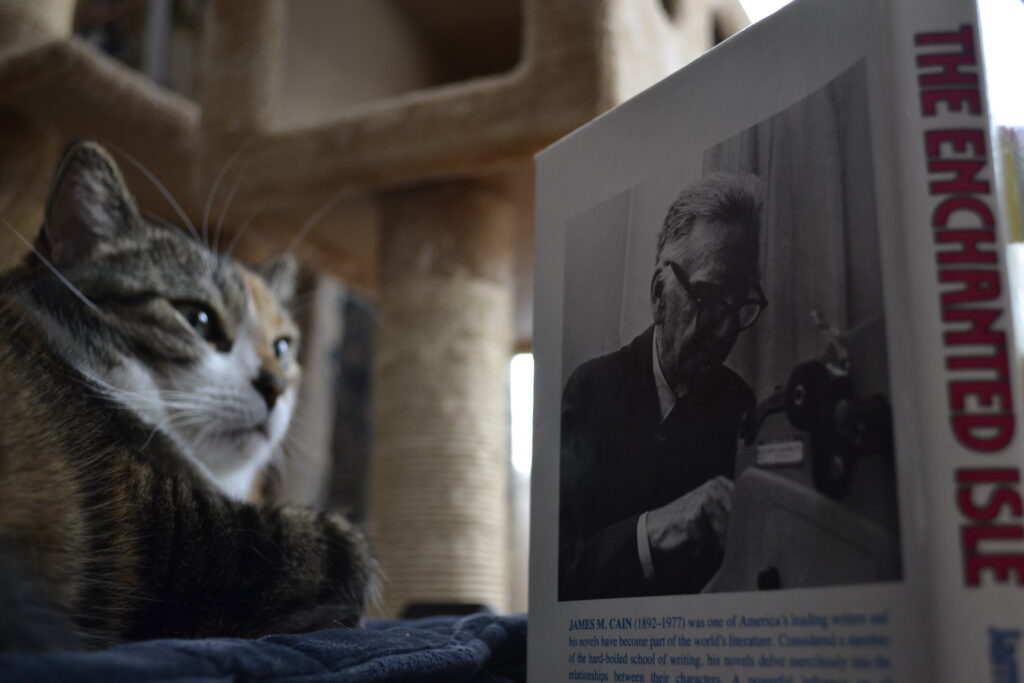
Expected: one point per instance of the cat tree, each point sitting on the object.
(436, 205)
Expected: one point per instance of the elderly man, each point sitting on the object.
(649, 431)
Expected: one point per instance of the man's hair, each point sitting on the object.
(716, 198)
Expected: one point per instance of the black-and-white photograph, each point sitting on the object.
(726, 420)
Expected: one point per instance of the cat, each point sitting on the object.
(145, 384)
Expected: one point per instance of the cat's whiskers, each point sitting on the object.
(176, 420)
(242, 228)
(205, 436)
(156, 218)
(216, 185)
(213, 421)
(215, 242)
(180, 408)
(151, 177)
(190, 417)
(74, 290)
(228, 401)
(300, 304)
(121, 394)
(312, 221)
(213, 404)
(213, 411)
(159, 427)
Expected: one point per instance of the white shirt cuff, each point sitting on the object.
(643, 547)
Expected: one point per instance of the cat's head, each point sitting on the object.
(198, 345)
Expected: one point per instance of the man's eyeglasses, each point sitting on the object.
(714, 306)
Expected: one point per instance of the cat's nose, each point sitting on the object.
(269, 386)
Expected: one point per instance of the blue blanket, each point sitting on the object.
(480, 647)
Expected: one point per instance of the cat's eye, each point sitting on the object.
(204, 322)
(200, 321)
(282, 345)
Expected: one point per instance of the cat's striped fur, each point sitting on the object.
(145, 382)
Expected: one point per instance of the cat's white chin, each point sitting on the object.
(246, 435)
(232, 455)
(238, 484)
(232, 460)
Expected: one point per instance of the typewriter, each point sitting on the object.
(815, 499)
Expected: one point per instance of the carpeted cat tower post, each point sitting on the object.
(440, 468)
(432, 143)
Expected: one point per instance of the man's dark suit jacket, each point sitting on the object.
(618, 459)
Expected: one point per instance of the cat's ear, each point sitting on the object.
(88, 205)
(281, 275)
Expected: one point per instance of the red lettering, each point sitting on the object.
(987, 475)
(983, 433)
(1001, 564)
(955, 101)
(979, 326)
(1001, 498)
(960, 140)
(975, 561)
(948, 62)
(963, 181)
(963, 37)
(967, 242)
(978, 285)
(940, 218)
(990, 508)
(996, 361)
(996, 394)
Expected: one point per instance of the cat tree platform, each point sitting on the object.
(576, 58)
(558, 65)
(418, 154)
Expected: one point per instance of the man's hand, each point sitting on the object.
(693, 524)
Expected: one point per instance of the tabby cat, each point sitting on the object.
(145, 384)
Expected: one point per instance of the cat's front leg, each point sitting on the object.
(219, 567)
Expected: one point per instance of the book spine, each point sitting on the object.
(968, 495)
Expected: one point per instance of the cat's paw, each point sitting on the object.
(353, 568)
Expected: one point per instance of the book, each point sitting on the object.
(778, 392)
